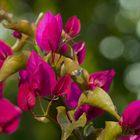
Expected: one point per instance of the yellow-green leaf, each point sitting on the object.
(12, 64)
(99, 98)
(111, 132)
(66, 125)
(69, 66)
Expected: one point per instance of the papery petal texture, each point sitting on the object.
(64, 49)
(63, 86)
(41, 75)
(101, 79)
(73, 96)
(73, 26)
(91, 112)
(26, 97)
(130, 118)
(80, 50)
(48, 33)
(9, 116)
(5, 51)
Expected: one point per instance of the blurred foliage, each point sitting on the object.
(111, 30)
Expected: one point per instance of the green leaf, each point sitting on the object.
(111, 132)
(22, 26)
(69, 66)
(99, 98)
(67, 126)
(12, 64)
(81, 77)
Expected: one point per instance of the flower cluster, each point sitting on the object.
(52, 72)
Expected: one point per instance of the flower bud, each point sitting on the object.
(80, 50)
(64, 49)
(69, 66)
(17, 34)
(48, 32)
(73, 26)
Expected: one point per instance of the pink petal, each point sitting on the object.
(91, 112)
(60, 22)
(64, 49)
(73, 97)
(41, 75)
(73, 26)
(130, 121)
(80, 50)
(5, 51)
(48, 33)
(135, 137)
(63, 86)
(26, 97)
(101, 79)
(17, 34)
(9, 116)
(1, 89)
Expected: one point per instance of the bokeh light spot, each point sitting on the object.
(132, 78)
(132, 49)
(130, 4)
(111, 47)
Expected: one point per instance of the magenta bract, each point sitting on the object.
(17, 34)
(40, 74)
(9, 116)
(1, 89)
(63, 86)
(105, 78)
(5, 51)
(80, 50)
(72, 101)
(130, 119)
(91, 112)
(135, 137)
(26, 97)
(64, 49)
(101, 79)
(48, 33)
(39, 79)
(73, 96)
(73, 26)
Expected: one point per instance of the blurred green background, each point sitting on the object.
(111, 29)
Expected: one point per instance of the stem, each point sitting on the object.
(49, 105)
(20, 43)
(38, 50)
(78, 134)
(40, 103)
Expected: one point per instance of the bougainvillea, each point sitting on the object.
(51, 71)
